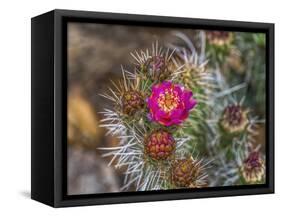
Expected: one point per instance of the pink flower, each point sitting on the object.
(169, 104)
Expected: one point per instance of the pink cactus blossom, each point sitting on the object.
(169, 103)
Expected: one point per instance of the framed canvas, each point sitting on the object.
(133, 108)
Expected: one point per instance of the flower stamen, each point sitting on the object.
(168, 101)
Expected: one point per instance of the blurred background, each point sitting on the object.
(95, 55)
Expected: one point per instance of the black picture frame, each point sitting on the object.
(49, 108)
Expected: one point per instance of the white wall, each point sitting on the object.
(15, 106)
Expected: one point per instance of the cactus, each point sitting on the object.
(179, 121)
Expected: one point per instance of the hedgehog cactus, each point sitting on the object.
(234, 119)
(219, 38)
(159, 145)
(188, 173)
(179, 122)
(253, 168)
(156, 68)
(132, 101)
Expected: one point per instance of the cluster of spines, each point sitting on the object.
(218, 118)
(149, 151)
